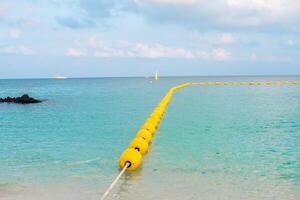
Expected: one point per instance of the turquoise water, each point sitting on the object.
(215, 142)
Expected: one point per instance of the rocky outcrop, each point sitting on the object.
(24, 99)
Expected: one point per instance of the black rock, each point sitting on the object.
(24, 99)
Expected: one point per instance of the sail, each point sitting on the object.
(156, 76)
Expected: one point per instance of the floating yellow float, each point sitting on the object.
(132, 156)
(139, 144)
(145, 134)
(268, 83)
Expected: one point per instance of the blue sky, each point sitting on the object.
(92, 38)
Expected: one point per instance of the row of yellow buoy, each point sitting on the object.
(132, 156)
(246, 83)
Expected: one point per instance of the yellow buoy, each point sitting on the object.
(153, 122)
(296, 82)
(158, 111)
(155, 119)
(252, 83)
(131, 156)
(286, 82)
(225, 83)
(202, 83)
(234, 83)
(259, 83)
(150, 127)
(268, 83)
(209, 83)
(139, 144)
(145, 134)
(218, 83)
(243, 83)
(277, 82)
(162, 106)
(157, 114)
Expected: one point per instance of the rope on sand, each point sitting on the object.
(106, 193)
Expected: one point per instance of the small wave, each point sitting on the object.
(83, 162)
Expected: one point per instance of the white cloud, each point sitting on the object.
(137, 50)
(141, 50)
(199, 14)
(210, 39)
(24, 50)
(157, 51)
(107, 49)
(160, 51)
(104, 54)
(202, 54)
(224, 13)
(72, 52)
(15, 34)
(221, 54)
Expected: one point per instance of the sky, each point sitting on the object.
(107, 38)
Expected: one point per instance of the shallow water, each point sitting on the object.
(215, 142)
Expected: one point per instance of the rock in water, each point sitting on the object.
(24, 99)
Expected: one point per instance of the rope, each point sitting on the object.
(115, 181)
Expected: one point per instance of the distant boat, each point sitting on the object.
(156, 76)
(59, 77)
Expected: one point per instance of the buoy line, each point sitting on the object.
(140, 144)
(131, 158)
(244, 83)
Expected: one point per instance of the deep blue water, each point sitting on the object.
(215, 142)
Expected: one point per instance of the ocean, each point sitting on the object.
(214, 142)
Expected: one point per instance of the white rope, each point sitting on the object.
(115, 181)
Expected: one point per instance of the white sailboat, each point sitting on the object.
(156, 76)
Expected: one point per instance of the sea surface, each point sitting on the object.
(214, 143)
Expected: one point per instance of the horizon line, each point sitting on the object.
(163, 76)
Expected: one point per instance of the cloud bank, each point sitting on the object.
(199, 14)
(19, 50)
(108, 49)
